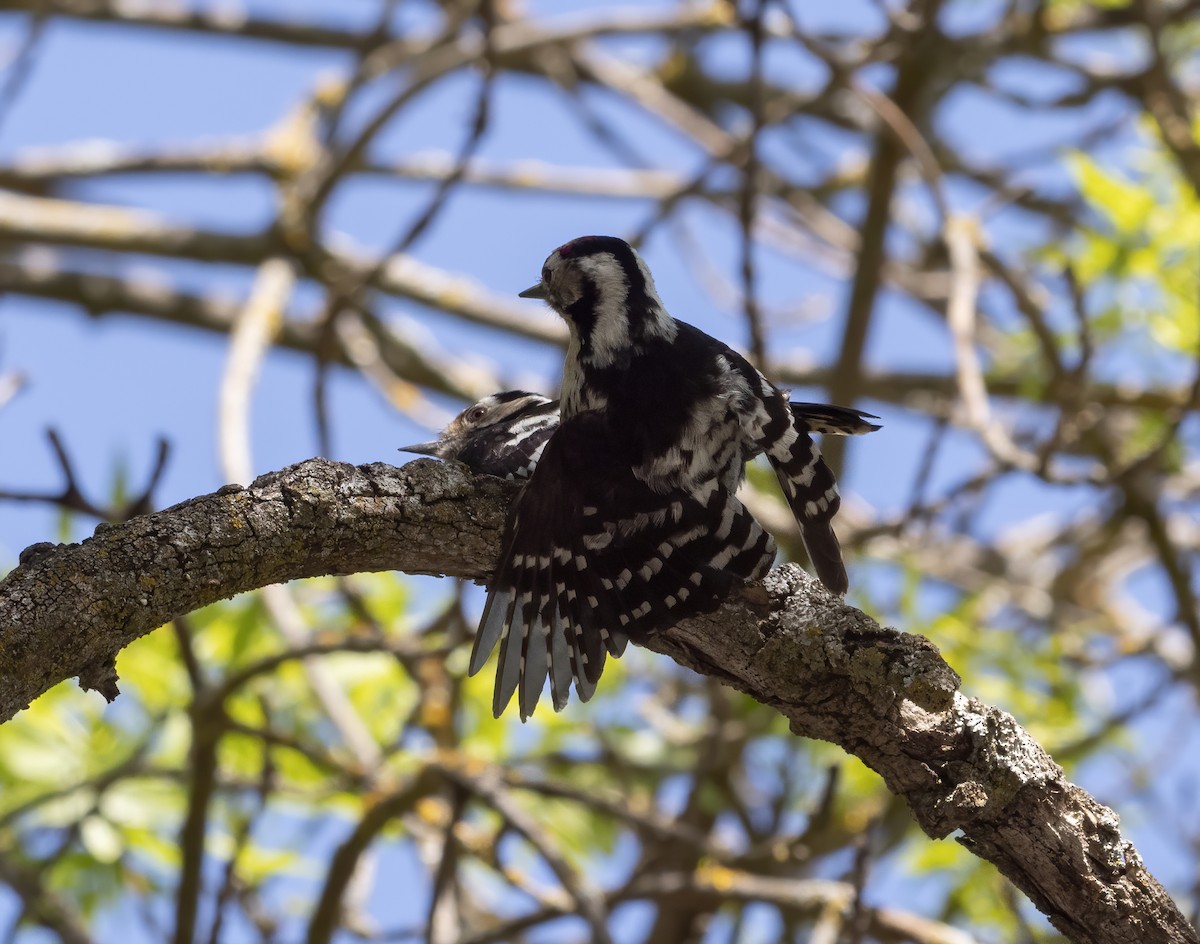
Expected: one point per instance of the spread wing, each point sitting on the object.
(592, 557)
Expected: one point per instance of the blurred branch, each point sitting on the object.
(39, 171)
(932, 393)
(586, 900)
(911, 97)
(1164, 99)
(208, 725)
(928, 392)
(250, 337)
(173, 17)
(380, 812)
(117, 229)
(748, 199)
(829, 669)
(20, 67)
(714, 886)
(617, 20)
(71, 497)
(156, 298)
(249, 342)
(41, 905)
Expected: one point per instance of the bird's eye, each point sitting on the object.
(546, 275)
(477, 414)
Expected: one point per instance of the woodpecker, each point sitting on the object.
(504, 434)
(501, 435)
(630, 521)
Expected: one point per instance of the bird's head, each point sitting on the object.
(471, 423)
(604, 291)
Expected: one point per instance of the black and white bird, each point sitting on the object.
(630, 521)
(502, 435)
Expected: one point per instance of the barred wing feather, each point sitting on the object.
(575, 583)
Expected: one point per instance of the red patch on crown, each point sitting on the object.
(576, 247)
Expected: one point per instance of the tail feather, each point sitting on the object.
(833, 420)
(826, 554)
(508, 671)
(535, 647)
(559, 652)
(577, 641)
(491, 628)
(812, 493)
(807, 481)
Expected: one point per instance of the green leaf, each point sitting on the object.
(100, 839)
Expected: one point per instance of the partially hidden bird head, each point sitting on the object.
(470, 424)
(604, 291)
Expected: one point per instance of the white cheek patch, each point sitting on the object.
(611, 332)
(610, 325)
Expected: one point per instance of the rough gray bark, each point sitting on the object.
(883, 695)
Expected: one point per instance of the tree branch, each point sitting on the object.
(883, 695)
(67, 608)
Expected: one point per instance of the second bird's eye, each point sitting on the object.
(477, 414)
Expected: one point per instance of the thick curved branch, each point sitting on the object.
(883, 695)
(72, 608)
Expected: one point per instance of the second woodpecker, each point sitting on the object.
(630, 521)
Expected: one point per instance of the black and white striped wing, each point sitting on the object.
(593, 557)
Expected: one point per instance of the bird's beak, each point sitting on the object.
(424, 449)
(534, 291)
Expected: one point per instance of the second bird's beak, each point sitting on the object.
(424, 449)
(534, 291)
